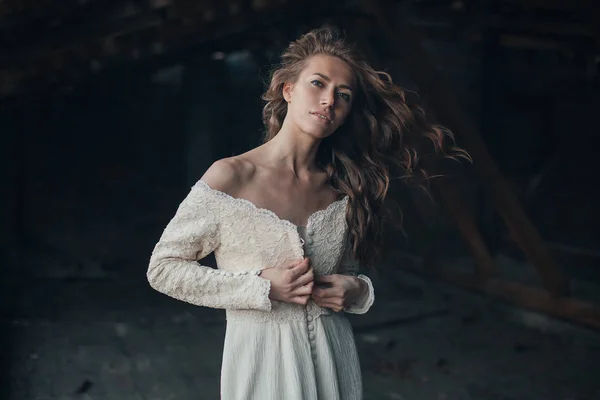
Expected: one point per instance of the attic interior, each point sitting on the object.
(110, 110)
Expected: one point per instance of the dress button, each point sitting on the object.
(311, 327)
(309, 241)
(308, 252)
(309, 308)
(309, 318)
(311, 336)
(310, 232)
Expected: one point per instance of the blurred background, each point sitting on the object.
(110, 110)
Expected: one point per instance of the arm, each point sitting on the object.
(191, 235)
(366, 295)
(345, 290)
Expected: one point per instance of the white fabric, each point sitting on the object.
(273, 350)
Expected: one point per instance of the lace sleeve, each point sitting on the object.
(191, 235)
(350, 266)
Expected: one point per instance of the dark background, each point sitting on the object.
(110, 111)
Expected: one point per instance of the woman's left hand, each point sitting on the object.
(336, 291)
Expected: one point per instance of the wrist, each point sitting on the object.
(360, 288)
(363, 286)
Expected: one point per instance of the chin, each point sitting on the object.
(319, 132)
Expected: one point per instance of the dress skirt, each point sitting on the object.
(315, 359)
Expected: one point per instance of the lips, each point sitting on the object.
(324, 117)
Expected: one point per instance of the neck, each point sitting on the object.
(293, 149)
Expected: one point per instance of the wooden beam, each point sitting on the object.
(123, 37)
(563, 44)
(518, 24)
(171, 25)
(560, 5)
(452, 202)
(78, 36)
(575, 250)
(520, 295)
(407, 40)
(102, 19)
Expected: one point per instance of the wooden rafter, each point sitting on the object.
(407, 40)
(56, 41)
(465, 222)
(519, 24)
(558, 5)
(520, 295)
(146, 33)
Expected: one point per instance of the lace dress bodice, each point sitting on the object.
(245, 240)
(272, 350)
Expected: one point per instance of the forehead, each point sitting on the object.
(336, 69)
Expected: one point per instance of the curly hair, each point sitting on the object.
(381, 139)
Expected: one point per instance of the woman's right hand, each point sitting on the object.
(291, 283)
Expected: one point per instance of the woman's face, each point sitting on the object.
(321, 98)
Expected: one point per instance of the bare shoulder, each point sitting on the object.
(229, 175)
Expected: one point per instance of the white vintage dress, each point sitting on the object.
(273, 350)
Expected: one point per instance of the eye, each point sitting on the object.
(317, 82)
(344, 96)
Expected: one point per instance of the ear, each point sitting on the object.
(287, 91)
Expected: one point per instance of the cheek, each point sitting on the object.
(302, 97)
(311, 94)
(345, 111)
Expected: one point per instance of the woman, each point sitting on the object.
(290, 222)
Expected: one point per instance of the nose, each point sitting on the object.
(328, 99)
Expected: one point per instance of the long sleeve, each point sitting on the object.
(350, 266)
(191, 235)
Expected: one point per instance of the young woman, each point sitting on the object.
(291, 221)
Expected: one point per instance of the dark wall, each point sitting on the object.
(535, 110)
(96, 168)
(103, 166)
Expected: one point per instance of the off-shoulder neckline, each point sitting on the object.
(268, 212)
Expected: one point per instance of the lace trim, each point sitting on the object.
(265, 211)
(365, 303)
(265, 292)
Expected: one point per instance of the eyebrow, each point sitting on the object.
(328, 79)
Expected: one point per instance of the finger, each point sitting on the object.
(295, 263)
(305, 278)
(331, 303)
(304, 290)
(326, 278)
(300, 300)
(327, 300)
(300, 269)
(325, 293)
(333, 306)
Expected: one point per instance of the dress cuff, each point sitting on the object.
(365, 300)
